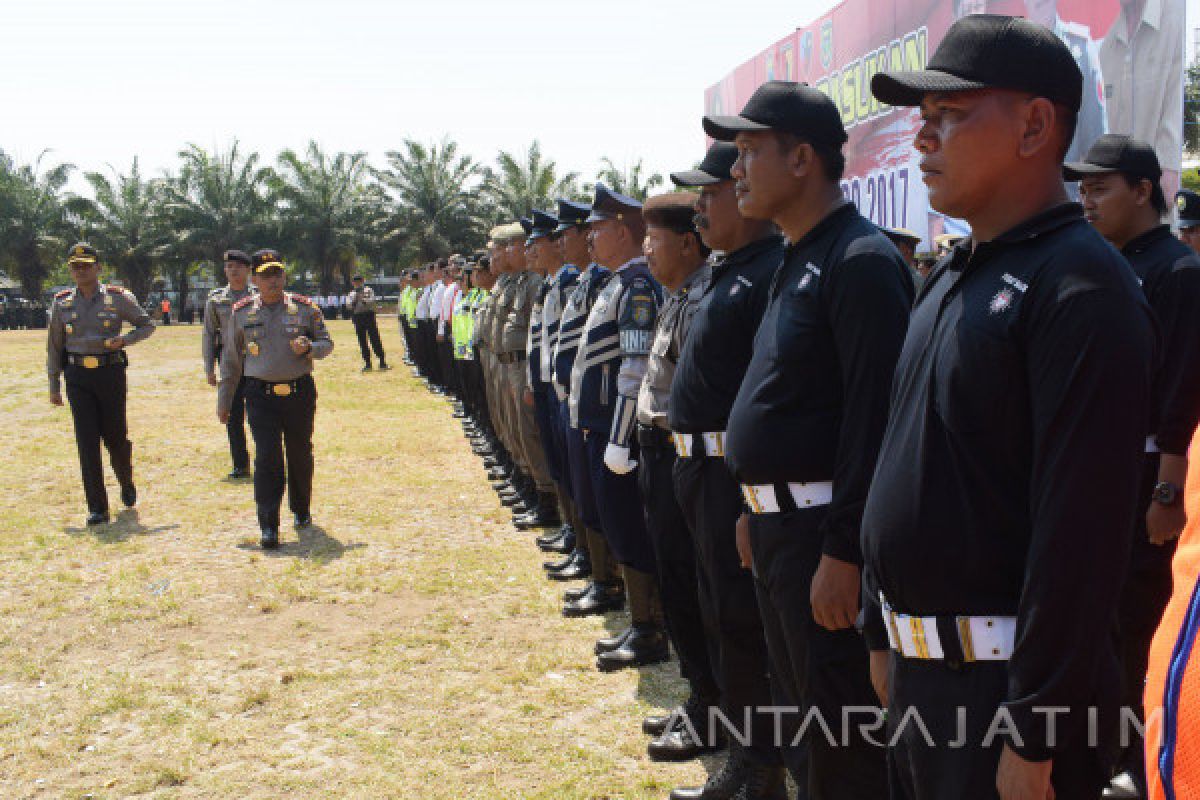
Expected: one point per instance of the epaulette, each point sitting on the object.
(63, 294)
(108, 287)
(245, 301)
(299, 298)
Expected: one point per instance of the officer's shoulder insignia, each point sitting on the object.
(299, 298)
(245, 301)
(1180, 203)
(62, 294)
(108, 287)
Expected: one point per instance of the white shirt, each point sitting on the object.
(449, 298)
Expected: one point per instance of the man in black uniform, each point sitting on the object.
(272, 340)
(217, 312)
(711, 365)
(805, 427)
(1122, 198)
(996, 531)
(1187, 204)
(84, 342)
(361, 303)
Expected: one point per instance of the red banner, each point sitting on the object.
(1133, 83)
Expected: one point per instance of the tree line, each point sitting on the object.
(327, 213)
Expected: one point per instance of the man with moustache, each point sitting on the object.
(217, 311)
(806, 424)
(1122, 199)
(712, 362)
(997, 527)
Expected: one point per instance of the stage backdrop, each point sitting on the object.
(1132, 67)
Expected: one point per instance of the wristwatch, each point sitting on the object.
(1165, 493)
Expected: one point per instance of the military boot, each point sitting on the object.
(647, 640)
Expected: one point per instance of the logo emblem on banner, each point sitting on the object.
(827, 43)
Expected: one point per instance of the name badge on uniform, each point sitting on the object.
(69, 328)
(108, 301)
(252, 348)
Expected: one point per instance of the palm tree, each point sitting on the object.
(627, 181)
(217, 201)
(438, 210)
(326, 210)
(123, 221)
(517, 186)
(34, 221)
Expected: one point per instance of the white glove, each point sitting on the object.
(617, 459)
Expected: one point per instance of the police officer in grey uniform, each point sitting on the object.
(361, 303)
(217, 311)
(271, 341)
(84, 342)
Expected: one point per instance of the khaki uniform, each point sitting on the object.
(515, 338)
(217, 313)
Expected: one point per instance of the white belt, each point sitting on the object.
(689, 445)
(764, 499)
(1151, 444)
(979, 638)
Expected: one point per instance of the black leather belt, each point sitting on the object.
(511, 358)
(103, 360)
(653, 436)
(279, 388)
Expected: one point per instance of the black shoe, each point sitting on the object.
(269, 539)
(571, 595)
(383, 365)
(612, 642)
(656, 724)
(303, 520)
(582, 568)
(693, 708)
(554, 536)
(599, 599)
(367, 368)
(679, 744)
(512, 501)
(129, 495)
(564, 545)
(97, 518)
(763, 783)
(646, 644)
(1124, 786)
(237, 473)
(560, 565)
(723, 784)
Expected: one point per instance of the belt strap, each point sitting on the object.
(961, 639)
(100, 360)
(652, 436)
(694, 445)
(278, 388)
(772, 498)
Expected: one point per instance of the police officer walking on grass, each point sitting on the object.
(271, 342)
(361, 303)
(84, 343)
(217, 311)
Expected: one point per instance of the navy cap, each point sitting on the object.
(785, 106)
(571, 214)
(236, 255)
(1187, 204)
(715, 167)
(990, 51)
(266, 259)
(82, 253)
(1116, 152)
(612, 205)
(544, 225)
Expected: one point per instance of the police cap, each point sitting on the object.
(715, 167)
(613, 205)
(266, 260)
(784, 106)
(1187, 204)
(1116, 152)
(82, 253)
(571, 215)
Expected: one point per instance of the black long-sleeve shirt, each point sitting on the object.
(1170, 275)
(718, 346)
(1007, 482)
(813, 404)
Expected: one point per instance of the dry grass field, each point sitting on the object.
(406, 647)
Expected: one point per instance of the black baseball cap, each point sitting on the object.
(786, 106)
(236, 255)
(1187, 203)
(990, 51)
(715, 167)
(1116, 152)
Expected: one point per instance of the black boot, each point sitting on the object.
(723, 784)
(687, 735)
(97, 518)
(608, 644)
(694, 708)
(646, 644)
(579, 568)
(543, 515)
(763, 783)
(129, 494)
(548, 540)
(268, 525)
(565, 544)
(599, 599)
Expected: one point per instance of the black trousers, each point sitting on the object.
(712, 502)
(97, 399)
(619, 503)
(236, 428)
(814, 668)
(282, 426)
(367, 328)
(956, 704)
(445, 355)
(675, 559)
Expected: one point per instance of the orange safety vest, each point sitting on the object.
(166, 306)
(1173, 676)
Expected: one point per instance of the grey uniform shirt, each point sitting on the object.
(674, 318)
(361, 301)
(80, 325)
(258, 343)
(515, 333)
(217, 310)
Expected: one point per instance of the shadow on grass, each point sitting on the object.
(124, 526)
(313, 543)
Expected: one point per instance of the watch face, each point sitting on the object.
(1165, 493)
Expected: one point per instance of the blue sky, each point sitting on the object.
(99, 81)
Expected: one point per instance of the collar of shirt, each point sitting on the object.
(1143, 240)
(689, 282)
(834, 217)
(744, 254)
(1038, 225)
(631, 262)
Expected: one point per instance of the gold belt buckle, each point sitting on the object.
(90, 362)
(282, 389)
